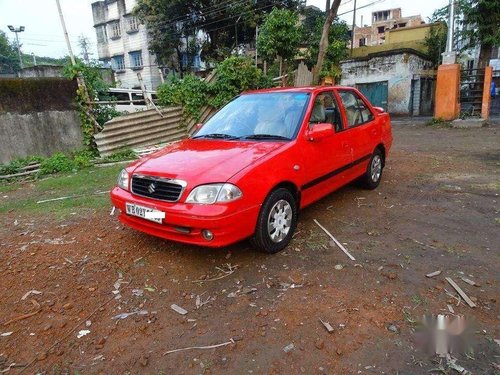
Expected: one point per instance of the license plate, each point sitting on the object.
(145, 212)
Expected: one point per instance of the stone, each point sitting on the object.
(144, 361)
(319, 344)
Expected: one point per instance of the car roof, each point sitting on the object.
(297, 89)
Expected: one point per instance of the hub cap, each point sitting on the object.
(279, 221)
(376, 168)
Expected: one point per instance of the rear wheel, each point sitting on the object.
(373, 175)
(277, 221)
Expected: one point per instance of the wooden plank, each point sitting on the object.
(334, 240)
(461, 292)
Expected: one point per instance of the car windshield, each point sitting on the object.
(273, 116)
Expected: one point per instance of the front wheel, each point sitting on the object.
(373, 175)
(277, 221)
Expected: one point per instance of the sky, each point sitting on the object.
(44, 36)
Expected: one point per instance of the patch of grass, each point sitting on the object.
(417, 299)
(439, 123)
(81, 185)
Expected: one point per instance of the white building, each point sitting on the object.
(122, 43)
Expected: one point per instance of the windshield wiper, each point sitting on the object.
(266, 136)
(216, 136)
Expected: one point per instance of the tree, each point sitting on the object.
(435, 42)
(9, 60)
(212, 26)
(338, 37)
(279, 36)
(323, 43)
(477, 22)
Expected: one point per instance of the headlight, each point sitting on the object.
(123, 179)
(209, 194)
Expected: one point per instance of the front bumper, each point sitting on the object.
(185, 222)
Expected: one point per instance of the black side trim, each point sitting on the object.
(335, 172)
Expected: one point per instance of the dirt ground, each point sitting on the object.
(436, 209)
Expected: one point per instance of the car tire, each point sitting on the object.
(277, 221)
(373, 175)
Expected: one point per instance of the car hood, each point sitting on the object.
(200, 161)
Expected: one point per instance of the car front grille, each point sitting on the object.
(163, 189)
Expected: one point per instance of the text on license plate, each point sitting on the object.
(145, 212)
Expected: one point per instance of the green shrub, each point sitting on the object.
(235, 75)
(189, 92)
(16, 166)
(57, 163)
(83, 159)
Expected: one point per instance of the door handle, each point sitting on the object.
(345, 145)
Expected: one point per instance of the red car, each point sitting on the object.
(250, 168)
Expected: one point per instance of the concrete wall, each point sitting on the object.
(396, 68)
(38, 117)
(39, 133)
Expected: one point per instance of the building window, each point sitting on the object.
(116, 30)
(136, 59)
(102, 36)
(118, 63)
(362, 42)
(381, 29)
(133, 24)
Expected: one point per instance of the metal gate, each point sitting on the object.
(422, 98)
(471, 91)
(375, 92)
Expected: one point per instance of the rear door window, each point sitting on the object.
(357, 112)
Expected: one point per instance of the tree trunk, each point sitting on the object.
(484, 56)
(323, 43)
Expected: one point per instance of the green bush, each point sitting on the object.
(83, 159)
(189, 92)
(234, 75)
(57, 163)
(16, 166)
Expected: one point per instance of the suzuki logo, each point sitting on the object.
(152, 188)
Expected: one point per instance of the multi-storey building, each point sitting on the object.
(382, 21)
(122, 43)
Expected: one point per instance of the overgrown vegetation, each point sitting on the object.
(60, 162)
(91, 116)
(234, 75)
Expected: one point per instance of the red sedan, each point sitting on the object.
(250, 168)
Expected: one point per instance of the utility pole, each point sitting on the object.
(34, 58)
(17, 30)
(63, 24)
(450, 56)
(353, 26)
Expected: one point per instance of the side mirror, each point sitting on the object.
(379, 109)
(198, 126)
(319, 131)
